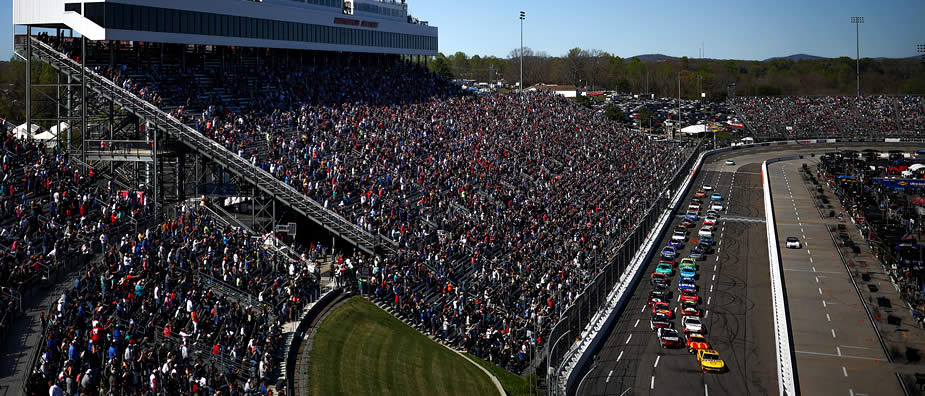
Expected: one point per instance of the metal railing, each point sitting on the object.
(214, 151)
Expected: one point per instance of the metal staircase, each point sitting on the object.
(211, 150)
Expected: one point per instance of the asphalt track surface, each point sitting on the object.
(737, 316)
(836, 347)
(737, 311)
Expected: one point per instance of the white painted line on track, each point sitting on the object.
(820, 289)
(717, 258)
(657, 358)
(631, 337)
(652, 383)
(706, 391)
(714, 267)
(706, 313)
(844, 370)
(817, 281)
(823, 303)
(814, 268)
(608, 376)
(838, 350)
(643, 308)
(828, 317)
(620, 356)
(810, 259)
(833, 333)
(637, 323)
(709, 299)
(711, 288)
(851, 392)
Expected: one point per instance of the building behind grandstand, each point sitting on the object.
(369, 26)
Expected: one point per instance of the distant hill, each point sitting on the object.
(654, 57)
(796, 57)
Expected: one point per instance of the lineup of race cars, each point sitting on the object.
(691, 333)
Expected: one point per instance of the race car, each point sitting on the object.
(730, 162)
(716, 197)
(660, 291)
(662, 308)
(688, 223)
(710, 361)
(677, 244)
(664, 268)
(689, 295)
(688, 262)
(692, 324)
(706, 231)
(686, 284)
(690, 308)
(697, 253)
(692, 216)
(709, 220)
(668, 337)
(659, 279)
(712, 213)
(708, 239)
(660, 322)
(700, 194)
(688, 273)
(793, 243)
(716, 206)
(707, 187)
(669, 252)
(669, 262)
(696, 342)
(679, 235)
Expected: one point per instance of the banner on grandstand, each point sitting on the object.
(138, 194)
(900, 184)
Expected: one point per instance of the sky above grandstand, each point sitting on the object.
(726, 29)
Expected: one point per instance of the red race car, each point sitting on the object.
(689, 295)
(696, 341)
(662, 308)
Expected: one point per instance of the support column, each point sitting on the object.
(28, 79)
(83, 99)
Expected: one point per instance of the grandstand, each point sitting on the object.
(867, 117)
(477, 219)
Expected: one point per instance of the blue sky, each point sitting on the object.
(725, 28)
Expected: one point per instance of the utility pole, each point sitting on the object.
(523, 15)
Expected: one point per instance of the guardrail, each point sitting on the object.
(786, 376)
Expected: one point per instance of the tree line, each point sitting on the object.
(598, 70)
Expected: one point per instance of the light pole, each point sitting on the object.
(857, 21)
(523, 15)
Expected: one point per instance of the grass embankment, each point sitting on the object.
(362, 350)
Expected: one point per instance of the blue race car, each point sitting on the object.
(676, 244)
(669, 253)
(716, 197)
(688, 273)
(687, 284)
(707, 240)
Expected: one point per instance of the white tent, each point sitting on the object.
(695, 129)
(60, 128)
(50, 139)
(21, 133)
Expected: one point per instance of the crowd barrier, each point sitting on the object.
(295, 346)
(786, 375)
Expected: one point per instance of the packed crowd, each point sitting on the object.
(168, 311)
(50, 212)
(504, 206)
(833, 116)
